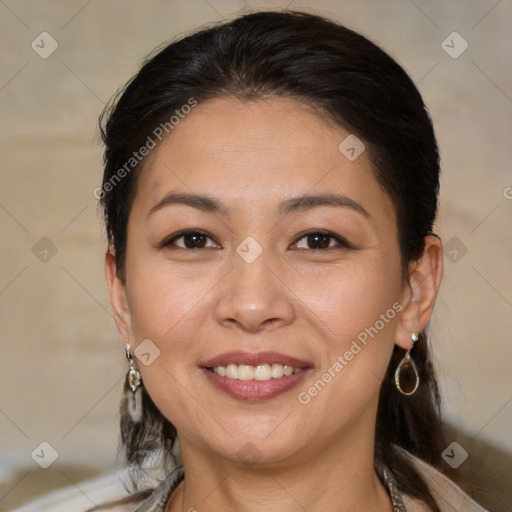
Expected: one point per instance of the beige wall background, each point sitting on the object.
(62, 362)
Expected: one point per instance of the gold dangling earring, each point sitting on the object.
(132, 386)
(407, 365)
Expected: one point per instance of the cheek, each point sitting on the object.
(358, 313)
(349, 299)
(357, 308)
(169, 309)
(162, 299)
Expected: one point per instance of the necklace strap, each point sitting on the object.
(390, 483)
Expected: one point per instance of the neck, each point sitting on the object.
(335, 478)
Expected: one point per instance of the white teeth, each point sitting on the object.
(277, 371)
(232, 371)
(245, 372)
(261, 372)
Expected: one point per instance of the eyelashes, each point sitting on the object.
(195, 238)
(318, 238)
(313, 240)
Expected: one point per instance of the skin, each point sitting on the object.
(194, 304)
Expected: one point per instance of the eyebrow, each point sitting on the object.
(301, 203)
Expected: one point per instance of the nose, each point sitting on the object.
(254, 297)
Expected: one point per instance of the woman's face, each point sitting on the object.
(315, 283)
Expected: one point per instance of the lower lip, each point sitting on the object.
(255, 390)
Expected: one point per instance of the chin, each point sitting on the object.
(256, 446)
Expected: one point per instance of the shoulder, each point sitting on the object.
(91, 494)
(448, 495)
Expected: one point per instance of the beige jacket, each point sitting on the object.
(109, 487)
(449, 497)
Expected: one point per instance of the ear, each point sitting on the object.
(420, 291)
(117, 292)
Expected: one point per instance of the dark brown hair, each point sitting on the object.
(350, 81)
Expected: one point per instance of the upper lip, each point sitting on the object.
(254, 359)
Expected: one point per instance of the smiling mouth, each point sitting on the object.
(261, 372)
(255, 376)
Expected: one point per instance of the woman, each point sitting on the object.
(270, 190)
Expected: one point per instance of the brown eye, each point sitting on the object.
(190, 240)
(320, 240)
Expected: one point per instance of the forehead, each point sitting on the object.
(247, 152)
